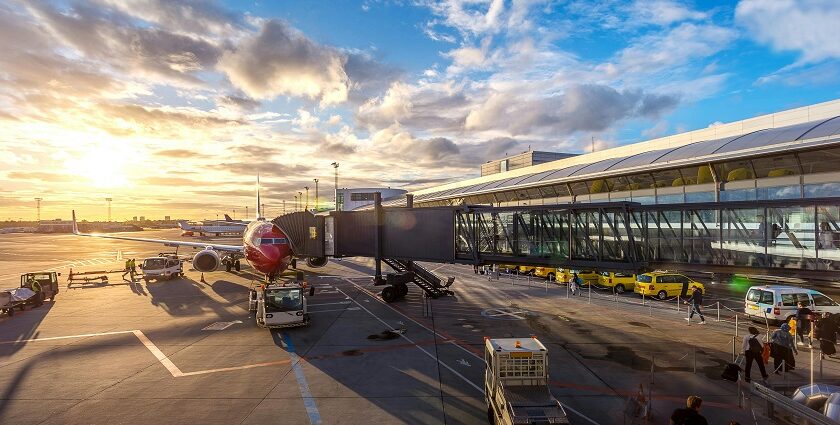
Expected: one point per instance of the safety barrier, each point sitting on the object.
(779, 406)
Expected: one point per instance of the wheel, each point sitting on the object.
(227, 267)
(619, 289)
(52, 298)
(389, 294)
(551, 277)
(237, 266)
(662, 295)
(10, 312)
(403, 290)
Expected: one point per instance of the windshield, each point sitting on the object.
(286, 299)
(644, 278)
(153, 263)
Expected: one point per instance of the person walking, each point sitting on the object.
(690, 414)
(782, 348)
(127, 270)
(803, 323)
(825, 331)
(696, 301)
(573, 283)
(752, 353)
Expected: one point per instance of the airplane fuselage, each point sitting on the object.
(267, 248)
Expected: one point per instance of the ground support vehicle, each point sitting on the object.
(516, 383)
(168, 266)
(17, 298)
(663, 284)
(778, 303)
(279, 305)
(45, 283)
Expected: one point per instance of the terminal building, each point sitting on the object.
(351, 199)
(762, 194)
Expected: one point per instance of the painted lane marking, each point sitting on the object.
(471, 383)
(340, 302)
(159, 355)
(507, 313)
(308, 401)
(336, 309)
(414, 321)
(220, 326)
(464, 362)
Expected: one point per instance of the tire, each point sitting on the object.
(10, 311)
(389, 294)
(403, 290)
(237, 266)
(52, 299)
(227, 267)
(619, 289)
(552, 277)
(662, 295)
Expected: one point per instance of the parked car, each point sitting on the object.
(663, 284)
(619, 281)
(778, 303)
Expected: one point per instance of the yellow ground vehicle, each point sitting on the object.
(619, 281)
(512, 268)
(661, 284)
(547, 272)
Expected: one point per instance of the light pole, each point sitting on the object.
(246, 212)
(316, 195)
(38, 206)
(284, 207)
(335, 165)
(300, 199)
(109, 208)
(306, 208)
(295, 204)
(234, 213)
(262, 210)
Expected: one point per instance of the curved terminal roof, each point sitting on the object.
(750, 144)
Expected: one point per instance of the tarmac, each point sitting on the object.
(187, 351)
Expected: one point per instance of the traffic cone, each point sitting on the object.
(202, 279)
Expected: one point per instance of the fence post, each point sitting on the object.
(694, 356)
(718, 310)
(736, 325)
(589, 293)
(678, 304)
(567, 289)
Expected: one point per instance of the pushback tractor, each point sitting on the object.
(279, 305)
(516, 383)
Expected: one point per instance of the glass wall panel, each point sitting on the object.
(664, 235)
(790, 238)
(828, 237)
(677, 198)
(585, 236)
(820, 161)
(775, 166)
(645, 200)
(618, 184)
(738, 195)
(822, 190)
(598, 186)
(615, 245)
(701, 241)
(579, 188)
(779, 192)
(667, 178)
(640, 181)
(735, 171)
(744, 234)
(700, 197)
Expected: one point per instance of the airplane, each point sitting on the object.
(264, 246)
(216, 229)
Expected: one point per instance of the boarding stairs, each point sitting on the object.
(429, 282)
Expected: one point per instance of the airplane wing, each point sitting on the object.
(217, 247)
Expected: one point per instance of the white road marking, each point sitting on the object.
(481, 390)
(337, 309)
(162, 358)
(464, 362)
(340, 302)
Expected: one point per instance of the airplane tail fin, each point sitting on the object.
(181, 224)
(227, 218)
(259, 210)
(75, 225)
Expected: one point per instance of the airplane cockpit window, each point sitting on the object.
(283, 300)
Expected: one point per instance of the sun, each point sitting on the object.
(102, 165)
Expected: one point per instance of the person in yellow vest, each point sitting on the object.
(128, 271)
(33, 284)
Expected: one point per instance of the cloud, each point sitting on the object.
(280, 60)
(588, 107)
(134, 119)
(399, 142)
(173, 181)
(242, 103)
(179, 153)
(368, 76)
(37, 175)
(662, 12)
(190, 16)
(807, 27)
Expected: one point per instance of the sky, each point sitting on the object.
(172, 107)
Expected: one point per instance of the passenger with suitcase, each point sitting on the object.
(752, 353)
(782, 348)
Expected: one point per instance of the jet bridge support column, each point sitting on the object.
(377, 240)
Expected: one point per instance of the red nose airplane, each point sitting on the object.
(264, 246)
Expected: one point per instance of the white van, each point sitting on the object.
(778, 303)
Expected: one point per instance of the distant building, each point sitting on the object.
(134, 218)
(142, 218)
(350, 199)
(166, 218)
(522, 160)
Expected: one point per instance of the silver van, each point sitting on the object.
(778, 303)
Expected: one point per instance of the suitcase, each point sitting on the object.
(827, 347)
(730, 372)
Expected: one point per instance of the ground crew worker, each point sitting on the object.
(133, 268)
(33, 284)
(128, 271)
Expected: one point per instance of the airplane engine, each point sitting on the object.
(316, 262)
(206, 261)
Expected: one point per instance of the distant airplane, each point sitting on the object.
(264, 246)
(212, 228)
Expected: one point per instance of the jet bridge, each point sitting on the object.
(797, 237)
